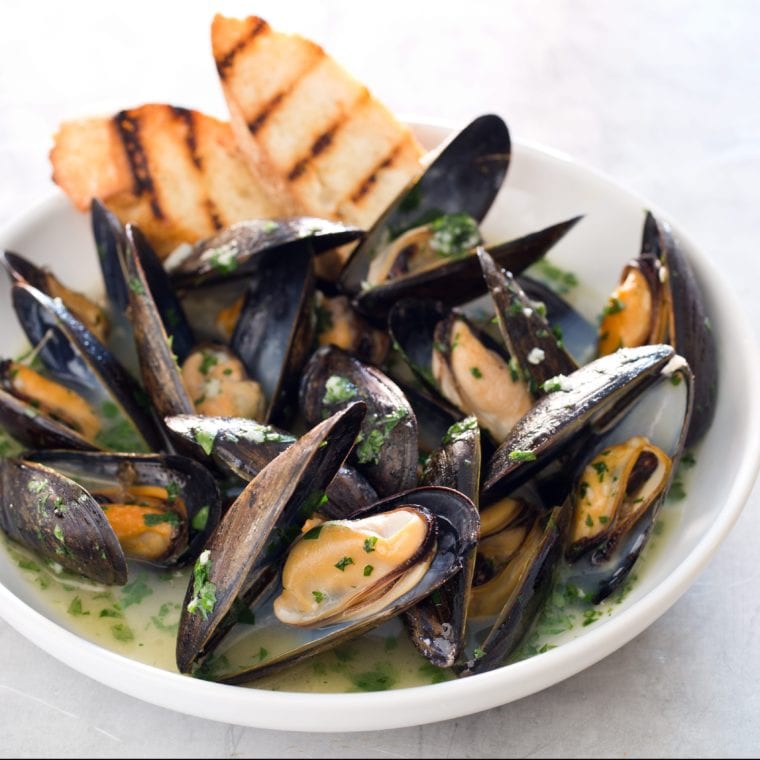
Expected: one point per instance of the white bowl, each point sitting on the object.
(542, 188)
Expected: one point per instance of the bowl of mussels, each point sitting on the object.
(497, 447)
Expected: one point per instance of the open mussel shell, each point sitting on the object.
(245, 447)
(456, 282)
(412, 323)
(533, 569)
(386, 454)
(456, 523)
(437, 624)
(526, 332)
(27, 425)
(640, 454)
(158, 364)
(275, 330)
(596, 395)
(167, 303)
(56, 518)
(110, 240)
(246, 548)
(465, 176)
(191, 491)
(83, 308)
(74, 357)
(692, 335)
(578, 335)
(231, 253)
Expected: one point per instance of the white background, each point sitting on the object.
(662, 96)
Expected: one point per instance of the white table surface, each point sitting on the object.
(662, 96)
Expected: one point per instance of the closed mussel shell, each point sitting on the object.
(386, 453)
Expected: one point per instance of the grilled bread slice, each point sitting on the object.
(308, 129)
(176, 173)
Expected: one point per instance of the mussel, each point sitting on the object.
(90, 512)
(659, 300)
(82, 396)
(386, 453)
(423, 246)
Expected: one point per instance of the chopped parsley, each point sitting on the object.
(204, 439)
(319, 597)
(368, 570)
(208, 362)
(223, 259)
(75, 608)
(313, 534)
(453, 235)
(369, 544)
(136, 286)
(368, 448)
(478, 653)
(200, 519)
(151, 520)
(344, 563)
(172, 491)
(459, 430)
(601, 468)
(591, 616)
(476, 373)
(554, 384)
(522, 456)
(204, 592)
(135, 592)
(338, 390)
(122, 632)
(614, 306)
(381, 678)
(561, 281)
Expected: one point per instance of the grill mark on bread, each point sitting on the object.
(326, 138)
(319, 145)
(365, 185)
(187, 118)
(257, 122)
(128, 128)
(224, 63)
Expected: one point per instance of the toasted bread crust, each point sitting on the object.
(307, 128)
(174, 172)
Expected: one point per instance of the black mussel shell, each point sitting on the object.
(465, 176)
(457, 527)
(436, 625)
(256, 531)
(190, 481)
(56, 518)
(231, 253)
(75, 358)
(596, 394)
(526, 333)
(692, 336)
(245, 447)
(274, 333)
(456, 282)
(386, 454)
